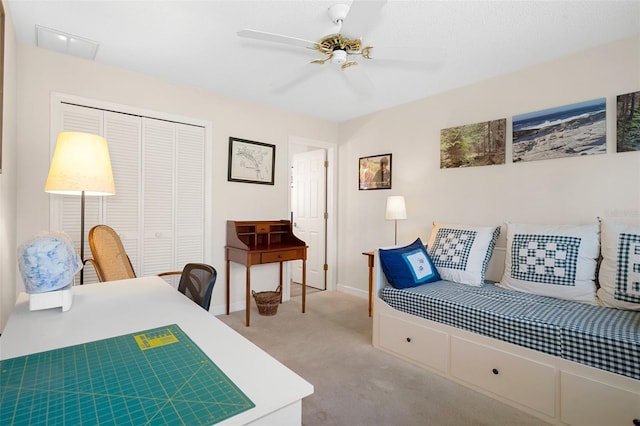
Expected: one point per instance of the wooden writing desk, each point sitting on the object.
(259, 242)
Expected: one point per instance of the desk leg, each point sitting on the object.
(228, 286)
(248, 296)
(280, 286)
(304, 284)
(370, 284)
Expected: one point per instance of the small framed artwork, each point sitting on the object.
(374, 172)
(251, 162)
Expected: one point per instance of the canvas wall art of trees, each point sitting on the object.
(479, 144)
(628, 113)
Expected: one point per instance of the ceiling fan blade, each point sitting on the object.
(361, 17)
(429, 55)
(291, 79)
(358, 79)
(277, 38)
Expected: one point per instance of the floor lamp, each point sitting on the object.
(80, 166)
(396, 210)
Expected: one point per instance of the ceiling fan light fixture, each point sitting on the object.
(339, 57)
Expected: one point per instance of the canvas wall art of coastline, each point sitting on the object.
(566, 131)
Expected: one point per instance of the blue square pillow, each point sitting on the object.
(408, 266)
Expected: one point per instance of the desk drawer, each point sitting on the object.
(281, 256)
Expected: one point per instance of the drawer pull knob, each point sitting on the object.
(495, 371)
(636, 422)
(409, 339)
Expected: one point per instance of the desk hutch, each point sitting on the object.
(258, 242)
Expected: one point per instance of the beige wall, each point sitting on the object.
(568, 190)
(561, 190)
(8, 178)
(42, 72)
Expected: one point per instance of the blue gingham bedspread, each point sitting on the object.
(600, 337)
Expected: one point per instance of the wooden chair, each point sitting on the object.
(110, 260)
(197, 281)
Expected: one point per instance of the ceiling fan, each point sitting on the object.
(346, 48)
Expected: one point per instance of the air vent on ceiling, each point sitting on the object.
(70, 44)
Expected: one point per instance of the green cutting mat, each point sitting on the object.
(152, 377)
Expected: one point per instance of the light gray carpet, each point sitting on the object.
(355, 383)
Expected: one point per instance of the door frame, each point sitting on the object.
(331, 194)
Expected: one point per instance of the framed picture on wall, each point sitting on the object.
(1, 77)
(374, 172)
(251, 162)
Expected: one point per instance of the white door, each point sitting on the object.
(308, 207)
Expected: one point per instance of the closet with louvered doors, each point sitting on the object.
(159, 172)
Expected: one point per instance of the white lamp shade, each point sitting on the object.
(396, 209)
(80, 162)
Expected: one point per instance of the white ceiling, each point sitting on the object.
(195, 43)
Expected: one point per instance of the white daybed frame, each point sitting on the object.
(548, 387)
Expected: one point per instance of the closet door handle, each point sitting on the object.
(495, 371)
(409, 339)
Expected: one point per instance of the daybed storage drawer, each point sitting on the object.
(521, 380)
(588, 402)
(424, 345)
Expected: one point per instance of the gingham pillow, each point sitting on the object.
(461, 253)
(552, 260)
(619, 275)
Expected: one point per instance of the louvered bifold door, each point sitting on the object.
(159, 171)
(122, 212)
(65, 209)
(189, 194)
(158, 176)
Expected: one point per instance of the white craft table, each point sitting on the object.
(116, 308)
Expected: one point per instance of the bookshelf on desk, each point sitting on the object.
(259, 242)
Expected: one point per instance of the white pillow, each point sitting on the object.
(461, 253)
(619, 275)
(552, 260)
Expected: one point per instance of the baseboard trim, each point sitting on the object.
(353, 291)
(240, 305)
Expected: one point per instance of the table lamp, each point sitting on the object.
(80, 166)
(396, 210)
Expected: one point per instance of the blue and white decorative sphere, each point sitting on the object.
(48, 262)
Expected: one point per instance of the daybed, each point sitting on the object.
(562, 361)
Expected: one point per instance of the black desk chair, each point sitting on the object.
(197, 281)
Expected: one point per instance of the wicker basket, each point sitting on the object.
(267, 301)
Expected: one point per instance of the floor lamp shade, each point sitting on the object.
(80, 163)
